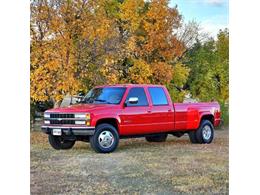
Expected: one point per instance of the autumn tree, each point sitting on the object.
(147, 34)
(53, 70)
(66, 37)
(77, 44)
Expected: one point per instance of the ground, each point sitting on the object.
(136, 167)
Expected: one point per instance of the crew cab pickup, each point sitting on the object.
(108, 113)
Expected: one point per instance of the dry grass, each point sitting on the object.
(136, 167)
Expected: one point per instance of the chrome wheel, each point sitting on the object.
(106, 139)
(206, 132)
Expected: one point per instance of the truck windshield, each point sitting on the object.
(106, 95)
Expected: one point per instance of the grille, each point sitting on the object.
(62, 116)
(63, 119)
(70, 122)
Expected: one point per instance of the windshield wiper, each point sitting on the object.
(99, 100)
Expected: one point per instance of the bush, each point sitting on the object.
(38, 107)
(224, 113)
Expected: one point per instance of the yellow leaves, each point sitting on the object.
(140, 72)
(111, 76)
(156, 17)
(100, 42)
(53, 75)
(130, 14)
(97, 25)
(159, 25)
(108, 71)
(162, 72)
(53, 62)
(180, 74)
(102, 29)
(131, 44)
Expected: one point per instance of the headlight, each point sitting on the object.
(46, 115)
(80, 115)
(80, 122)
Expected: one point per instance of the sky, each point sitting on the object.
(212, 15)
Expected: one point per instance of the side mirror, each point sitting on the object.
(133, 100)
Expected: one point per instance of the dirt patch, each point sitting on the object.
(136, 167)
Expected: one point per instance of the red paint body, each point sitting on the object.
(148, 119)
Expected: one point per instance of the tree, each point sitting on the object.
(161, 73)
(161, 43)
(139, 72)
(76, 45)
(222, 67)
(209, 62)
(66, 37)
(179, 78)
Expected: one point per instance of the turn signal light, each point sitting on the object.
(88, 116)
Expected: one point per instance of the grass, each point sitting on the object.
(136, 167)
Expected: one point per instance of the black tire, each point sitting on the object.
(193, 138)
(58, 143)
(156, 138)
(201, 137)
(95, 140)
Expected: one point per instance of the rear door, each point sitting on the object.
(162, 112)
(136, 118)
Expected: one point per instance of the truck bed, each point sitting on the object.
(188, 115)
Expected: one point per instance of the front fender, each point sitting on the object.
(99, 117)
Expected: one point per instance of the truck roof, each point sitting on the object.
(130, 85)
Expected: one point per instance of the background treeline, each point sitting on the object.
(77, 44)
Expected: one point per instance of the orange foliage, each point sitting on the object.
(162, 73)
(78, 44)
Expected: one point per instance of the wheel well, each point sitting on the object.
(208, 117)
(111, 121)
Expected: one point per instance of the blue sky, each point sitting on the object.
(212, 15)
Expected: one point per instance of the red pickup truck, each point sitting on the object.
(108, 113)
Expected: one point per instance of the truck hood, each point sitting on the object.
(83, 108)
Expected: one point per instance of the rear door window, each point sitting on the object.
(158, 96)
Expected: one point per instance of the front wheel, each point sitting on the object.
(105, 139)
(57, 142)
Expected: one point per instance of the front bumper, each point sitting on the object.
(69, 130)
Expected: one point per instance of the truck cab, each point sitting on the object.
(108, 113)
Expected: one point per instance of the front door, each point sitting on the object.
(136, 118)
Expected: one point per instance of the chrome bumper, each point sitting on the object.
(68, 130)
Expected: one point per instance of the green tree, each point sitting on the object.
(209, 62)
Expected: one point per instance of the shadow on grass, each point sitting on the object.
(143, 144)
(134, 143)
(40, 140)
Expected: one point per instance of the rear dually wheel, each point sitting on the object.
(204, 134)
